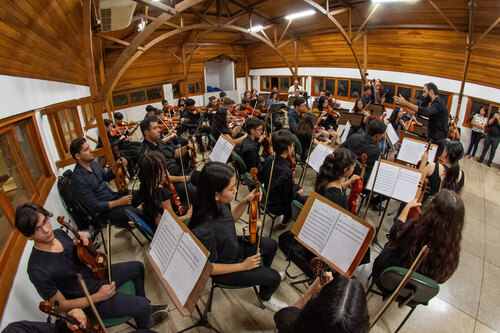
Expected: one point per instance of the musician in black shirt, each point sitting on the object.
(492, 139)
(437, 113)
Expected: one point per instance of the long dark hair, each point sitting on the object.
(152, 166)
(455, 152)
(219, 125)
(339, 307)
(355, 108)
(214, 177)
(440, 227)
(306, 124)
(321, 100)
(394, 115)
(333, 168)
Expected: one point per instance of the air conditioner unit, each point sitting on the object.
(116, 14)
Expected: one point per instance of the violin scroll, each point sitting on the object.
(318, 267)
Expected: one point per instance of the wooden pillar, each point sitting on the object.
(365, 53)
(296, 56)
(246, 68)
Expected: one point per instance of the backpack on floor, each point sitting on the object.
(299, 255)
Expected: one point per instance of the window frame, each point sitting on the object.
(300, 78)
(468, 109)
(10, 256)
(134, 90)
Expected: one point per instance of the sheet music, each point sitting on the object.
(318, 156)
(318, 225)
(185, 267)
(392, 135)
(344, 242)
(412, 151)
(347, 128)
(166, 238)
(221, 151)
(395, 182)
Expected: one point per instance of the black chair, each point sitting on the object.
(418, 291)
(241, 168)
(142, 226)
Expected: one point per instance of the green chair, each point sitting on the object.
(418, 291)
(240, 167)
(129, 289)
(298, 151)
(296, 208)
(212, 139)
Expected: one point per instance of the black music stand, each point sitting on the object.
(354, 118)
(376, 109)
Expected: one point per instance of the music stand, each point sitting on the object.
(376, 109)
(420, 130)
(354, 118)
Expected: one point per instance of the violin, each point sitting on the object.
(255, 209)
(87, 254)
(357, 187)
(118, 130)
(414, 212)
(192, 153)
(291, 159)
(318, 267)
(175, 197)
(51, 310)
(120, 174)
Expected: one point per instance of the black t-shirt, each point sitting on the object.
(219, 237)
(338, 196)
(152, 208)
(494, 129)
(250, 153)
(50, 272)
(285, 318)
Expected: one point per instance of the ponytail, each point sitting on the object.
(455, 151)
(333, 168)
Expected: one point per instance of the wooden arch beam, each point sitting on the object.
(342, 31)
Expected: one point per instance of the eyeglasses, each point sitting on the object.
(44, 223)
(259, 129)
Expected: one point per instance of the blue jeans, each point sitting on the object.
(474, 143)
(489, 142)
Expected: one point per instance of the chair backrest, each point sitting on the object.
(296, 208)
(424, 288)
(298, 146)
(212, 139)
(239, 162)
(143, 227)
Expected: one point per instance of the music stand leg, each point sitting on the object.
(203, 321)
(375, 238)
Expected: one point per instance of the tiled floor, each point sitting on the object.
(468, 302)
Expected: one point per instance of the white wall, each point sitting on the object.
(453, 86)
(19, 95)
(219, 75)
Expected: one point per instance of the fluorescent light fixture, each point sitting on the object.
(394, 1)
(300, 14)
(256, 28)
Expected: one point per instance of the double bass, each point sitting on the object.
(357, 187)
(96, 260)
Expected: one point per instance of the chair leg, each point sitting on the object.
(258, 297)
(133, 234)
(210, 298)
(406, 318)
(272, 226)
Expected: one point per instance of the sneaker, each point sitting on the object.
(157, 318)
(479, 161)
(489, 166)
(159, 307)
(274, 305)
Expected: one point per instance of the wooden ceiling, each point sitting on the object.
(43, 39)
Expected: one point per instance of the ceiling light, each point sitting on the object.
(394, 1)
(300, 14)
(256, 28)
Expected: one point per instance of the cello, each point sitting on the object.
(357, 187)
(48, 308)
(255, 209)
(96, 260)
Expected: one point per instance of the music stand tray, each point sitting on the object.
(420, 130)
(376, 109)
(354, 118)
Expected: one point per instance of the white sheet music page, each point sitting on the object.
(344, 242)
(407, 185)
(386, 178)
(185, 268)
(347, 128)
(221, 151)
(423, 148)
(318, 156)
(166, 238)
(318, 225)
(392, 135)
(409, 151)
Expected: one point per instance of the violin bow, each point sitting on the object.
(92, 305)
(108, 250)
(139, 169)
(373, 186)
(304, 170)
(184, 176)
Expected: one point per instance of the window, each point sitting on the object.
(283, 83)
(389, 91)
(25, 176)
(473, 107)
(356, 90)
(343, 88)
(403, 91)
(65, 126)
(88, 114)
(134, 97)
(195, 88)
